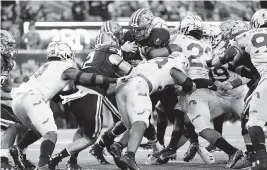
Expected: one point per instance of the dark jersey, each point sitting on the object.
(158, 38)
(98, 62)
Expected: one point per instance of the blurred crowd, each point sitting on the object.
(15, 13)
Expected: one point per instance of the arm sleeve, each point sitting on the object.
(165, 51)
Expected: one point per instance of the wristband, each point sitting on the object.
(169, 49)
(187, 85)
(77, 79)
(93, 79)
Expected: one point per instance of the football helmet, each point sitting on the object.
(113, 27)
(8, 44)
(231, 27)
(106, 38)
(140, 24)
(59, 50)
(213, 34)
(259, 18)
(191, 23)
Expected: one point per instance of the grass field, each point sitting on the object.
(231, 133)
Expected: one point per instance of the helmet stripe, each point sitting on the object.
(138, 14)
(108, 26)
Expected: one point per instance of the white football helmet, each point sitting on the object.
(231, 27)
(106, 38)
(59, 50)
(140, 24)
(259, 18)
(8, 44)
(213, 34)
(191, 23)
(114, 27)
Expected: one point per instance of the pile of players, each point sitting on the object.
(192, 76)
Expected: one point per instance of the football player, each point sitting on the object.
(132, 95)
(109, 101)
(9, 123)
(253, 43)
(106, 59)
(31, 99)
(202, 102)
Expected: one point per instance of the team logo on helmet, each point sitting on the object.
(157, 41)
(8, 44)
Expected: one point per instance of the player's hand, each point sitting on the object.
(3, 79)
(225, 86)
(129, 47)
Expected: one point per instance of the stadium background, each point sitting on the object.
(35, 23)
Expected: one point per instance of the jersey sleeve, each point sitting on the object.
(114, 49)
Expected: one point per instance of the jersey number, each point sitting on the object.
(89, 59)
(191, 58)
(260, 41)
(221, 73)
(41, 71)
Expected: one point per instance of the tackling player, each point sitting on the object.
(106, 59)
(31, 99)
(9, 123)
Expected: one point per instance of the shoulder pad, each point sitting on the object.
(114, 49)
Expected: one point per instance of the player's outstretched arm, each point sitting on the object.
(163, 52)
(86, 78)
(124, 67)
(183, 80)
(232, 53)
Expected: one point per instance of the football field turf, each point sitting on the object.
(87, 161)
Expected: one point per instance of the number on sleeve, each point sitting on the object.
(191, 58)
(260, 41)
(89, 59)
(41, 71)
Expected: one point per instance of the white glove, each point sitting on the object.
(129, 47)
(225, 86)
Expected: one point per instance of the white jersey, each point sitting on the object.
(197, 52)
(254, 42)
(157, 70)
(47, 80)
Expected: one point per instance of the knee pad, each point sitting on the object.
(51, 135)
(254, 120)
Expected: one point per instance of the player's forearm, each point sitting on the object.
(93, 79)
(182, 79)
(165, 51)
